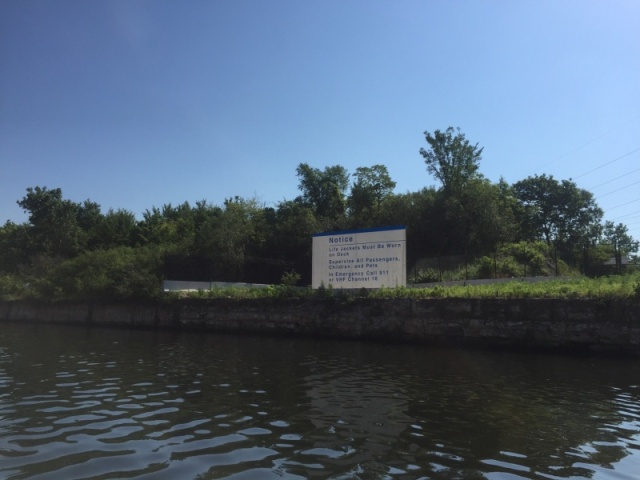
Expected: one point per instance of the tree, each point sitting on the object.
(617, 236)
(293, 227)
(172, 227)
(558, 211)
(371, 186)
(418, 211)
(114, 229)
(88, 215)
(120, 272)
(484, 217)
(451, 158)
(225, 237)
(54, 228)
(13, 246)
(324, 190)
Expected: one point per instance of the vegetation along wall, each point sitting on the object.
(465, 226)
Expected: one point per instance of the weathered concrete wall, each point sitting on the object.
(583, 325)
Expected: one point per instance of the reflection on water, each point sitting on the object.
(95, 403)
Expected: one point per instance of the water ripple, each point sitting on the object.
(77, 403)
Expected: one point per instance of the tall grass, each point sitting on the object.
(131, 280)
(603, 288)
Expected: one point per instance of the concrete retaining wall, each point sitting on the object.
(576, 325)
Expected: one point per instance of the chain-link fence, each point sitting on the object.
(525, 259)
(492, 266)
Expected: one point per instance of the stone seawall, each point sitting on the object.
(562, 325)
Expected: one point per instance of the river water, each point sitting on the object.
(80, 403)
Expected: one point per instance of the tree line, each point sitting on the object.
(68, 248)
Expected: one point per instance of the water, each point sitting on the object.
(80, 403)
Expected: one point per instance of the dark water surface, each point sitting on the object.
(96, 403)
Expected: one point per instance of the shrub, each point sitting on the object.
(11, 287)
(287, 287)
(118, 273)
(486, 267)
(426, 275)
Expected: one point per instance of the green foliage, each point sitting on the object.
(620, 244)
(422, 213)
(290, 279)
(507, 261)
(114, 229)
(287, 287)
(534, 258)
(558, 211)
(426, 275)
(486, 218)
(606, 288)
(14, 252)
(372, 185)
(70, 249)
(39, 277)
(12, 287)
(53, 223)
(225, 236)
(118, 273)
(324, 190)
(486, 267)
(324, 292)
(451, 158)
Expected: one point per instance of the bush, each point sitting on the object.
(535, 256)
(287, 287)
(426, 275)
(118, 273)
(12, 287)
(486, 267)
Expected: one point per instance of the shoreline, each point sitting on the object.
(603, 327)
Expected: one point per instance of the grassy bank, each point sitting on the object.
(610, 287)
(143, 286)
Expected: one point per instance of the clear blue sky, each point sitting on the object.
(135, 104)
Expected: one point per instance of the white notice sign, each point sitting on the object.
(370, 258)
